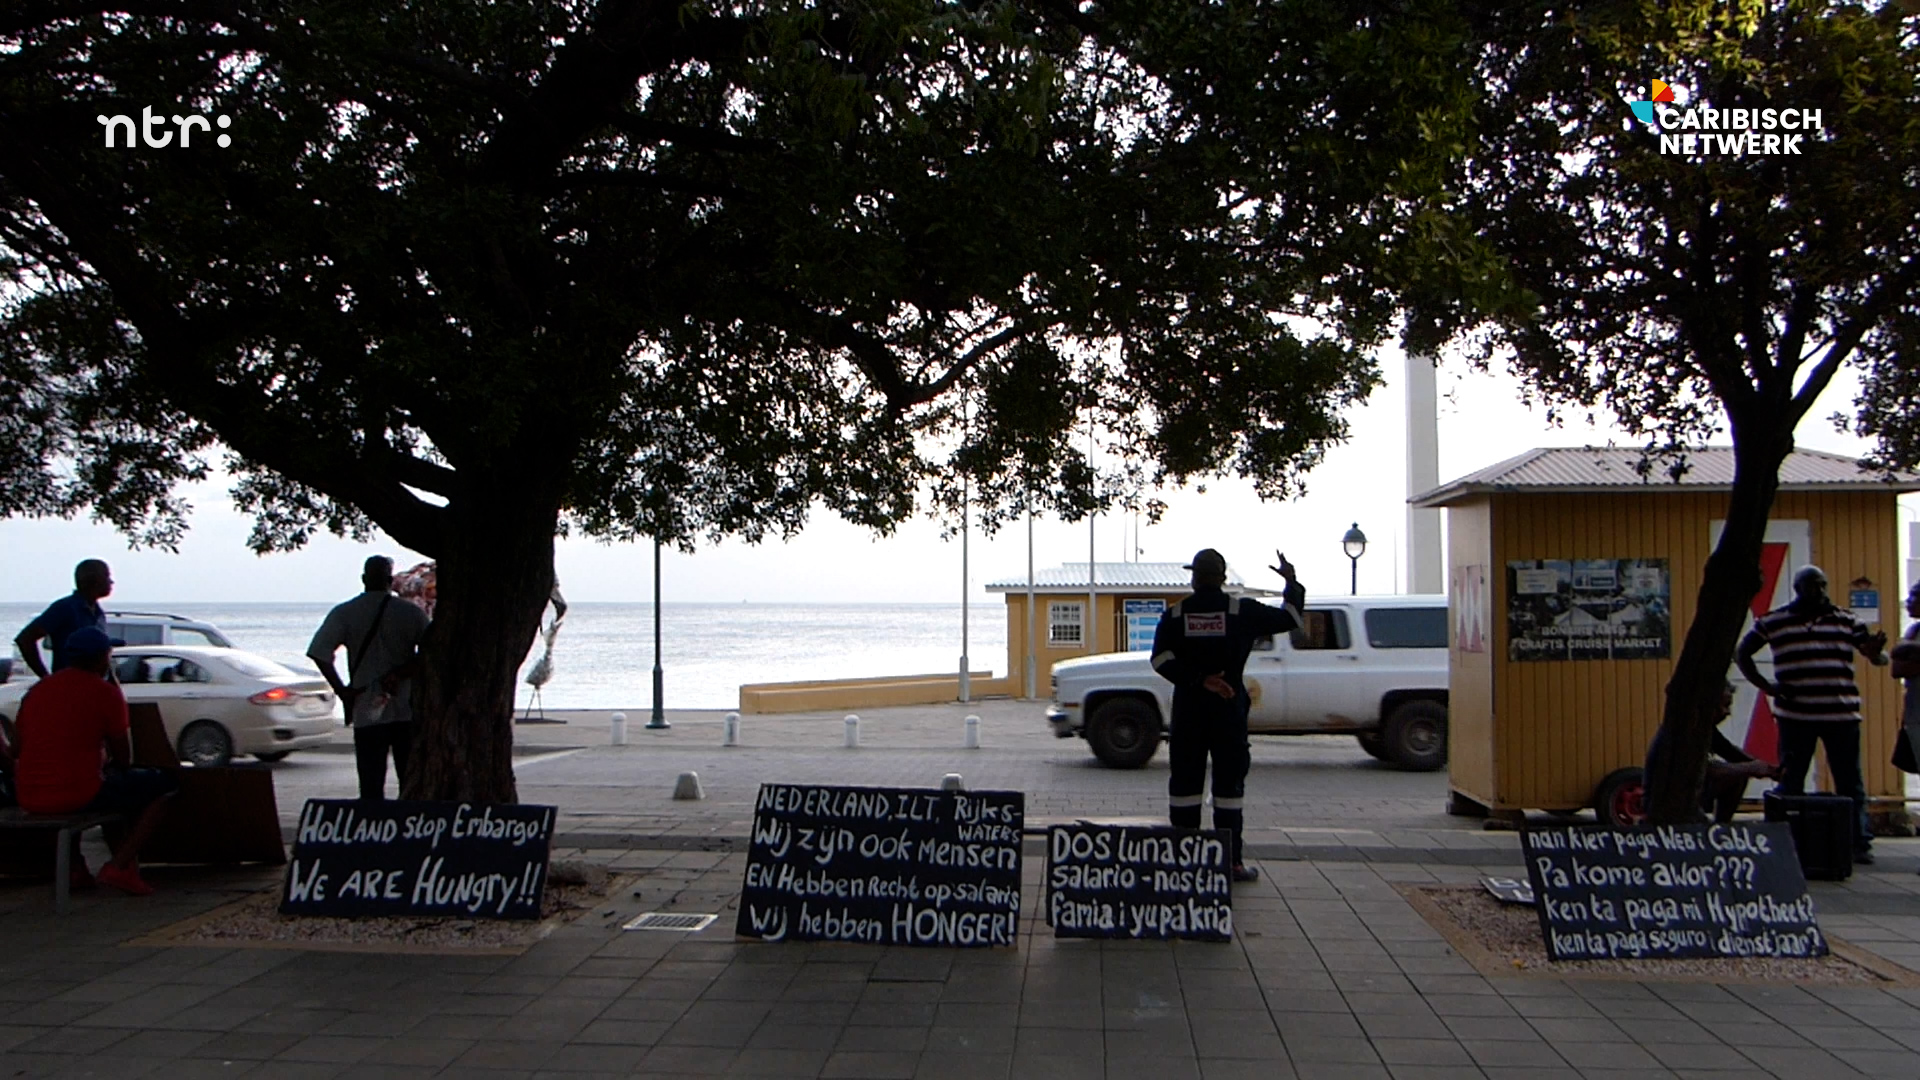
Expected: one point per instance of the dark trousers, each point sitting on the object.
(370, 748)
(1196, 735)
(1842, 739)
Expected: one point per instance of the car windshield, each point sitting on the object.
(259, 667)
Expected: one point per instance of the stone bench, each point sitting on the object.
(65, 827)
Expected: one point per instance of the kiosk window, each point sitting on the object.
(1324, 630)
(1407, 628)
(1064, 622)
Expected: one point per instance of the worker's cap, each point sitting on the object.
(88, 641)
(1208, 561)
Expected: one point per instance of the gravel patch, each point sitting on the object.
(1509, 940)
(572, 890)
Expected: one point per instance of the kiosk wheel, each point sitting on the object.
(1621, 798)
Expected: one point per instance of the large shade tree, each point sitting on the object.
(1696, 291)
(476, 274)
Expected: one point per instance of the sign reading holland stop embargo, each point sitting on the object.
(419, 858)
(890, 866)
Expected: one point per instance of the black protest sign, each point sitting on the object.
(1671, 891)
(1117, 881)
(482, 861)
(890, 866)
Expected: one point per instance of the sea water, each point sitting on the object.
(603, 655)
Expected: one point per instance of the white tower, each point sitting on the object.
(1425, 572)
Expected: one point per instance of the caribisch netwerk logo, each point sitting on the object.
(1696, 128)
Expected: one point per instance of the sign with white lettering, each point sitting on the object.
(1120, 881)
(475, 861)
(888, 866)
(1671, 891)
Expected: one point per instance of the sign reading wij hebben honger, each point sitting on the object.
(892, 866)
(484, 860)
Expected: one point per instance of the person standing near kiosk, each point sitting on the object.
(1201, 646)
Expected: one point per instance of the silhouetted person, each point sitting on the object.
(92, 583)
(381, 634)
(1201, 647)
(1814, 695)
(68, 722)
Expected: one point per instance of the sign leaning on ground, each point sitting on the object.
(1118, 881)
(889, 866)
(1672, 892)
(476, 861)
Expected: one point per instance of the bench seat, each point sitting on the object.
(65, 827)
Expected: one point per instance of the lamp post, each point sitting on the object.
(1355, 545)
(659, 720)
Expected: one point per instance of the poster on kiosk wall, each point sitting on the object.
(1788, 546)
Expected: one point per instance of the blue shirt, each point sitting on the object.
(62, 617)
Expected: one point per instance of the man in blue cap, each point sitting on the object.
(92, 582)
(1201, 647)
(66, 722)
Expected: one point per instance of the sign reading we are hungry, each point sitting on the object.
(1671, 891)
(890, 866)
(1117, 881)
(419, 858)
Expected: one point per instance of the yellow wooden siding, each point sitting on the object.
(1470, 703)
(1563, 725)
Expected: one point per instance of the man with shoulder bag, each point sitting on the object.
(381, 634)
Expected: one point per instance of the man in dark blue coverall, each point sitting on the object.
(1201, 647)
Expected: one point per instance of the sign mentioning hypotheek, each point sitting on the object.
(1114, 881)
(890, 866)
(1671, 892)
(419, 858)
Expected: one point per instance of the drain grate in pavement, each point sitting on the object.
(679, 921)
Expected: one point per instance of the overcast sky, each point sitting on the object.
(1364, 481)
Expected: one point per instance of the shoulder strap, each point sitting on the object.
(368, 640)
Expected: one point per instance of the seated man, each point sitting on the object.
(1728, 776)
(66, 722)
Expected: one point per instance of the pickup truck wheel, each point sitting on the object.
(1374, 743)
(1416, 736)
(1124, 733)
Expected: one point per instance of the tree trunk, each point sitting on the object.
(1677, 763)
(494, 575)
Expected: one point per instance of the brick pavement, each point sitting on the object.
(1332, 976)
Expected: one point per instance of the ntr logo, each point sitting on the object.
(149, 120)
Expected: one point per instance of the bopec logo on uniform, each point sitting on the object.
(1700, 129)
(149, 119)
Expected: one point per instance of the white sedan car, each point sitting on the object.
(219, 703)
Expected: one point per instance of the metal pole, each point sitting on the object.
(1356, 574)
(659, 721)
(966, 676)
(1031, 676)
(1092, 626)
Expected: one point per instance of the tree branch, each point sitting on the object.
(1843, 343)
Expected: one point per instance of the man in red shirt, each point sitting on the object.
(73, 754)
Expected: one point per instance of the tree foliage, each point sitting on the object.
(1694, 293)
(475, 272)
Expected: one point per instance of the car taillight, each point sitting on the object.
(271, 697)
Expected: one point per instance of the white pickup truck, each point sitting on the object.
(1371, 667)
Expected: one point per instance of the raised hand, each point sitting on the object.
(1285, 569)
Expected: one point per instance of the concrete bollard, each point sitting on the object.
(730, 730)
(853, 731)
(688, 787)
(973, 733)
(619, 734)
(952, 782)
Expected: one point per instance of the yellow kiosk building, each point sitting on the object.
(1573, 579)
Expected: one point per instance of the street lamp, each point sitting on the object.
(1355, 545)
(659, 722)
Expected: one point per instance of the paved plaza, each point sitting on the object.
(1331, 974)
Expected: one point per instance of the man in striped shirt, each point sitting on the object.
(1814, 696)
